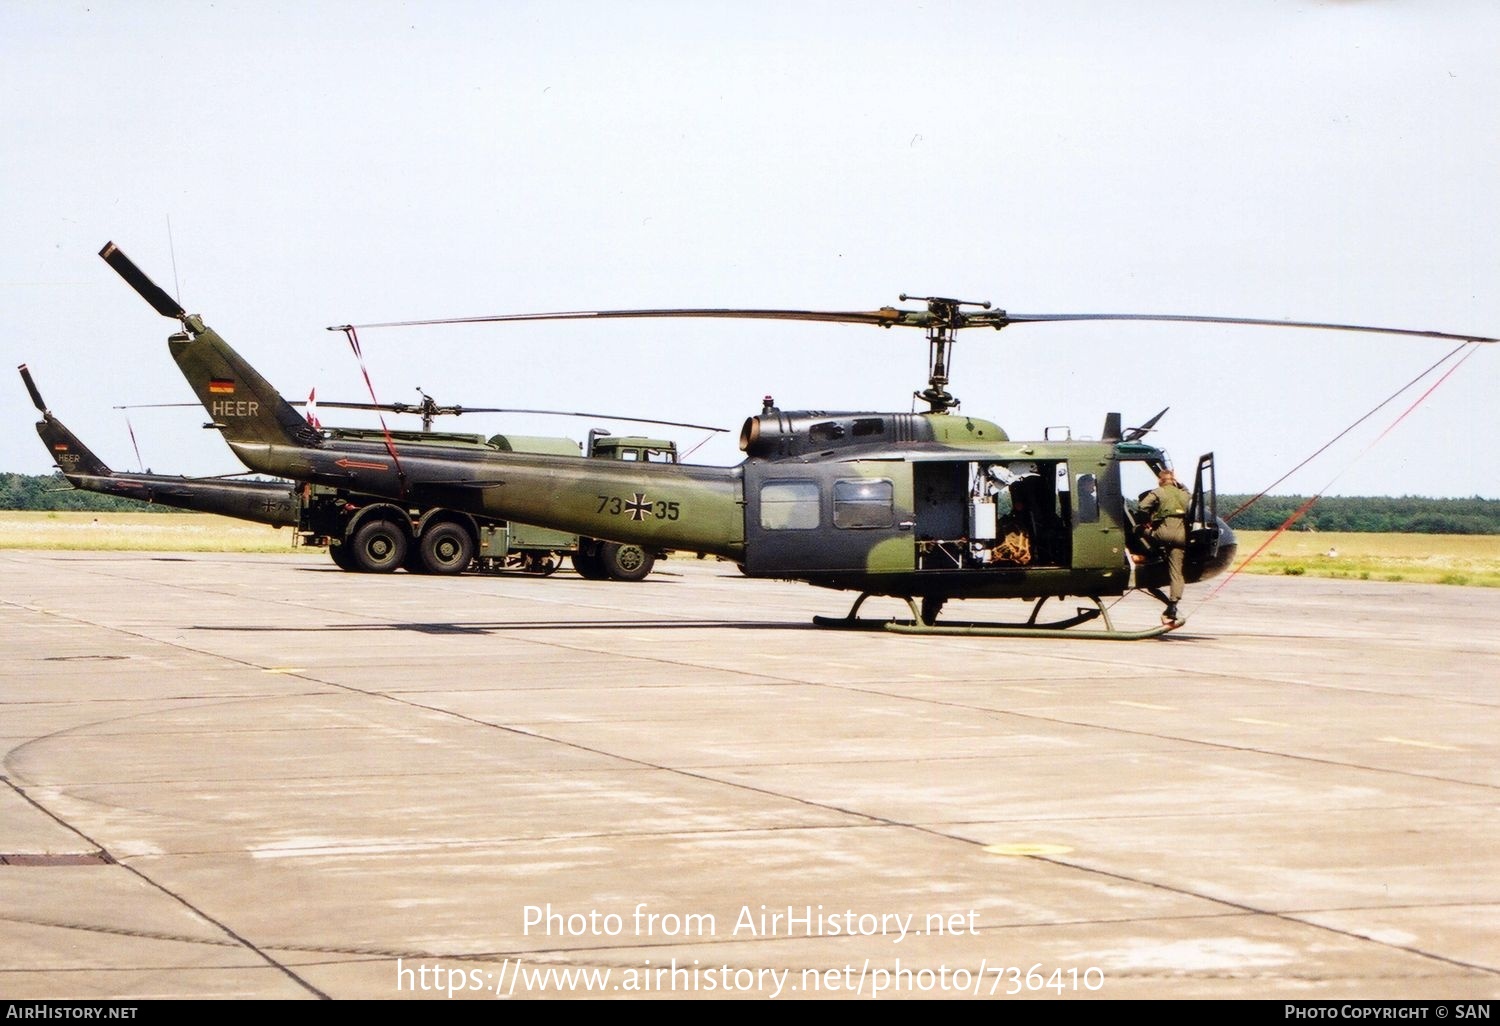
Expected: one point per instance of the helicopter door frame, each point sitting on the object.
(1203, 511)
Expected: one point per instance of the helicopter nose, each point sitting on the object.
(1211, 565)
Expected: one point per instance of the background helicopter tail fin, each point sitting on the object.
(240, 402)
(72, 457)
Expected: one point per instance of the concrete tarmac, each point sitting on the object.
(258, 776)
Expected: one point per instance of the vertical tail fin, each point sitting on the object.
(241, 403)
(72, 457)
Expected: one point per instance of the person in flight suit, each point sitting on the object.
(1166, 506)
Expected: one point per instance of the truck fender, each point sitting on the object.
(465, 519)
(383, 510)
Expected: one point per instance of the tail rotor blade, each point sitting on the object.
(151, 292)
(36, 397)
(1137, 433)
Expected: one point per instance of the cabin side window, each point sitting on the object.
(863, 502)
(1088, 499)
(789, 505)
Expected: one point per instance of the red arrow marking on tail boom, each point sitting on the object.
(357, 463)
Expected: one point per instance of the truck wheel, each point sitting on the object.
(378, 547)
(625, 562)
(445, 548)
(587, 562)
(340, 554)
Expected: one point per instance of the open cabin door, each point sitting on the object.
(1203, 514)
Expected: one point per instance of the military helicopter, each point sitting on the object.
(265, 502)
(923, 507)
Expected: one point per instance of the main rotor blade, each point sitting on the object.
(151, 292)
(884, 317)
(975, 320)
(887, 317)
(36, 397)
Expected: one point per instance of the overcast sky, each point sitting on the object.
(324, 162)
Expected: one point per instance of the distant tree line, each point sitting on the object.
(1407, 514)
(52, 492)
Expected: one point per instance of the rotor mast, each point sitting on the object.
(944, 319)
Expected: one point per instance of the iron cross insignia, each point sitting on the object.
(638, 508)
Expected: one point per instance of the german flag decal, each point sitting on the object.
(60, 447)
(221, 386)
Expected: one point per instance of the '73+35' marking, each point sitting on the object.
(638, 507)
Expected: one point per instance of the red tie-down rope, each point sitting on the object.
(139, 462)
(1330, 443)
(1302, 510)
(390, 443)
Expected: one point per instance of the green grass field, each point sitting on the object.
(1463, 559)
(1472, 560)
(141, 532)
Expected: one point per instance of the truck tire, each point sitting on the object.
(378, 547)
(625, 562)
(342, 556)
(587, 562)
(445, 548)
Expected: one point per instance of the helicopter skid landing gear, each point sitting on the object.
(852, 622)
(1063, 628)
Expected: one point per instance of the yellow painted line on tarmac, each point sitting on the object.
(1260, 723)
(1146, 705)
(1419, 744)
(1029, 691)
(284, 669)
(1026, 850)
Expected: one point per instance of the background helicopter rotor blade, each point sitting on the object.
(151, 292)
(36, 397)
(160, 406)
(454, 411)
(597, 416)
(440, 411)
